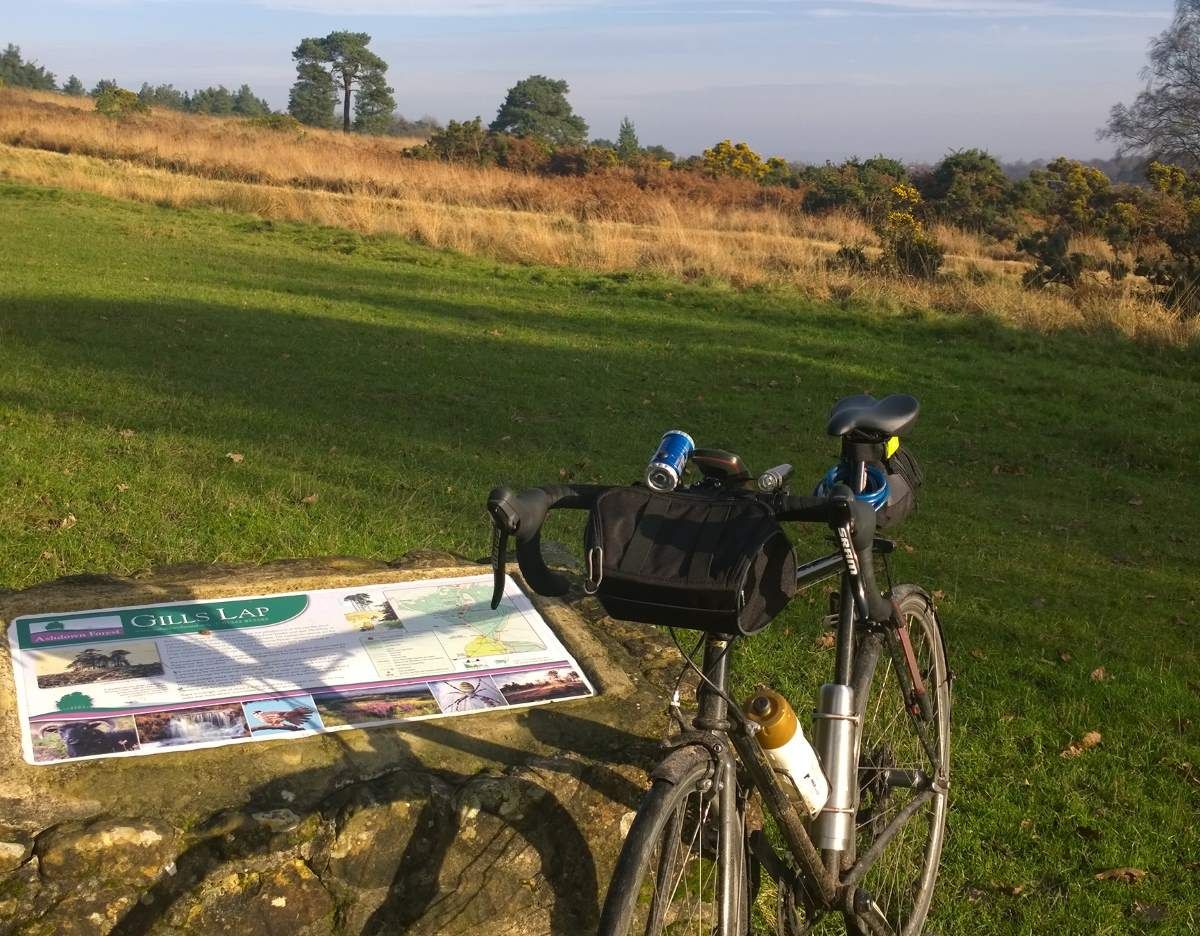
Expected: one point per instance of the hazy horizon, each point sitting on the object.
(807, 80)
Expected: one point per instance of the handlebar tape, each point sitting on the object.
(841, 504)
(832, 510)
(523, 514)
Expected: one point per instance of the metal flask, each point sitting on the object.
(836, 739)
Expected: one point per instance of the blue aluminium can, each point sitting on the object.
(667, 464)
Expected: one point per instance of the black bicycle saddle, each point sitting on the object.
(893, 415)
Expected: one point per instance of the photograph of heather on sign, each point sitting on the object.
(87, 738)
(358, 708)
(541, 685)
(367, 610)
(193, 725)
(73, 666)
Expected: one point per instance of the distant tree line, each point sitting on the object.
(19, 73)
(219, 100)
(346, 68)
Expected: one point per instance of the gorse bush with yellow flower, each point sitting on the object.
(733, 159)
(907, 247)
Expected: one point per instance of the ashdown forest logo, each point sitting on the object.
(89, 628)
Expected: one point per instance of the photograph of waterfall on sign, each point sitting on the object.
(192, 725)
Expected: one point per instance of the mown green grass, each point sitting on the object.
(139, 346)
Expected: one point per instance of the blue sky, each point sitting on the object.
(805, 79)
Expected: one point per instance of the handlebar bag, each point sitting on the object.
(719, 563)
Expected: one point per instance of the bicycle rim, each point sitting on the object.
(665, 882)
(901, 881)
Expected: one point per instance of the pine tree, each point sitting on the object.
(347, 65)
(21, 74)
(217, 101)
(312, 97)
(163, 95)
(537, 106)
(247, 104)
(74, 87)
(373, 105)
(627, 141)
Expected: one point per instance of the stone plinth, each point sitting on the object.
(504, 823)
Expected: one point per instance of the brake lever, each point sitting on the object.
(499, 563)
(504, 523)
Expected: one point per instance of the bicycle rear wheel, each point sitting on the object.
(897, 748)
(666, 880)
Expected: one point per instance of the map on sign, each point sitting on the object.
(463, 621)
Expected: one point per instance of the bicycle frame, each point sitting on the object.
(821, 880)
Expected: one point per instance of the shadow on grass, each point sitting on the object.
(412, 385)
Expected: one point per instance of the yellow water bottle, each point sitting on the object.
(786, 748)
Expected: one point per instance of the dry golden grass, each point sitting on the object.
(605, 224)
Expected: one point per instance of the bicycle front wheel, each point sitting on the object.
(668, 876)
(903, 756)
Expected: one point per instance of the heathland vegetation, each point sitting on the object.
(853, 230)
(1065, 245)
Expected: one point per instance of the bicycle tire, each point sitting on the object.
(673, 815)
(902, 880)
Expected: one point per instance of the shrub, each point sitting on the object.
(968, 188)
(520, 154)
(464, 141)
(1073, 195)
(117, 102)
(284, 123)
(580, 160)
(734, 159)
(1053, 260)
(865, 186)
(907, 247)
(777, 172)
(850, 257)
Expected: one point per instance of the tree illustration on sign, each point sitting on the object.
(75, 702)
(54, 626)
(361, 601)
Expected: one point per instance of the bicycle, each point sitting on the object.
(719, 821)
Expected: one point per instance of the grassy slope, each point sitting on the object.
(398, 384)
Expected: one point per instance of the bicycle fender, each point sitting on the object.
(680, 762)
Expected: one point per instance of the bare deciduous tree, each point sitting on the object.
(1163, 122)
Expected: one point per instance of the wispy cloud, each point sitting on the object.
(988, 9)
(1006, 8)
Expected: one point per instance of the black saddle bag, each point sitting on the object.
(718, 563)
(905, 477)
